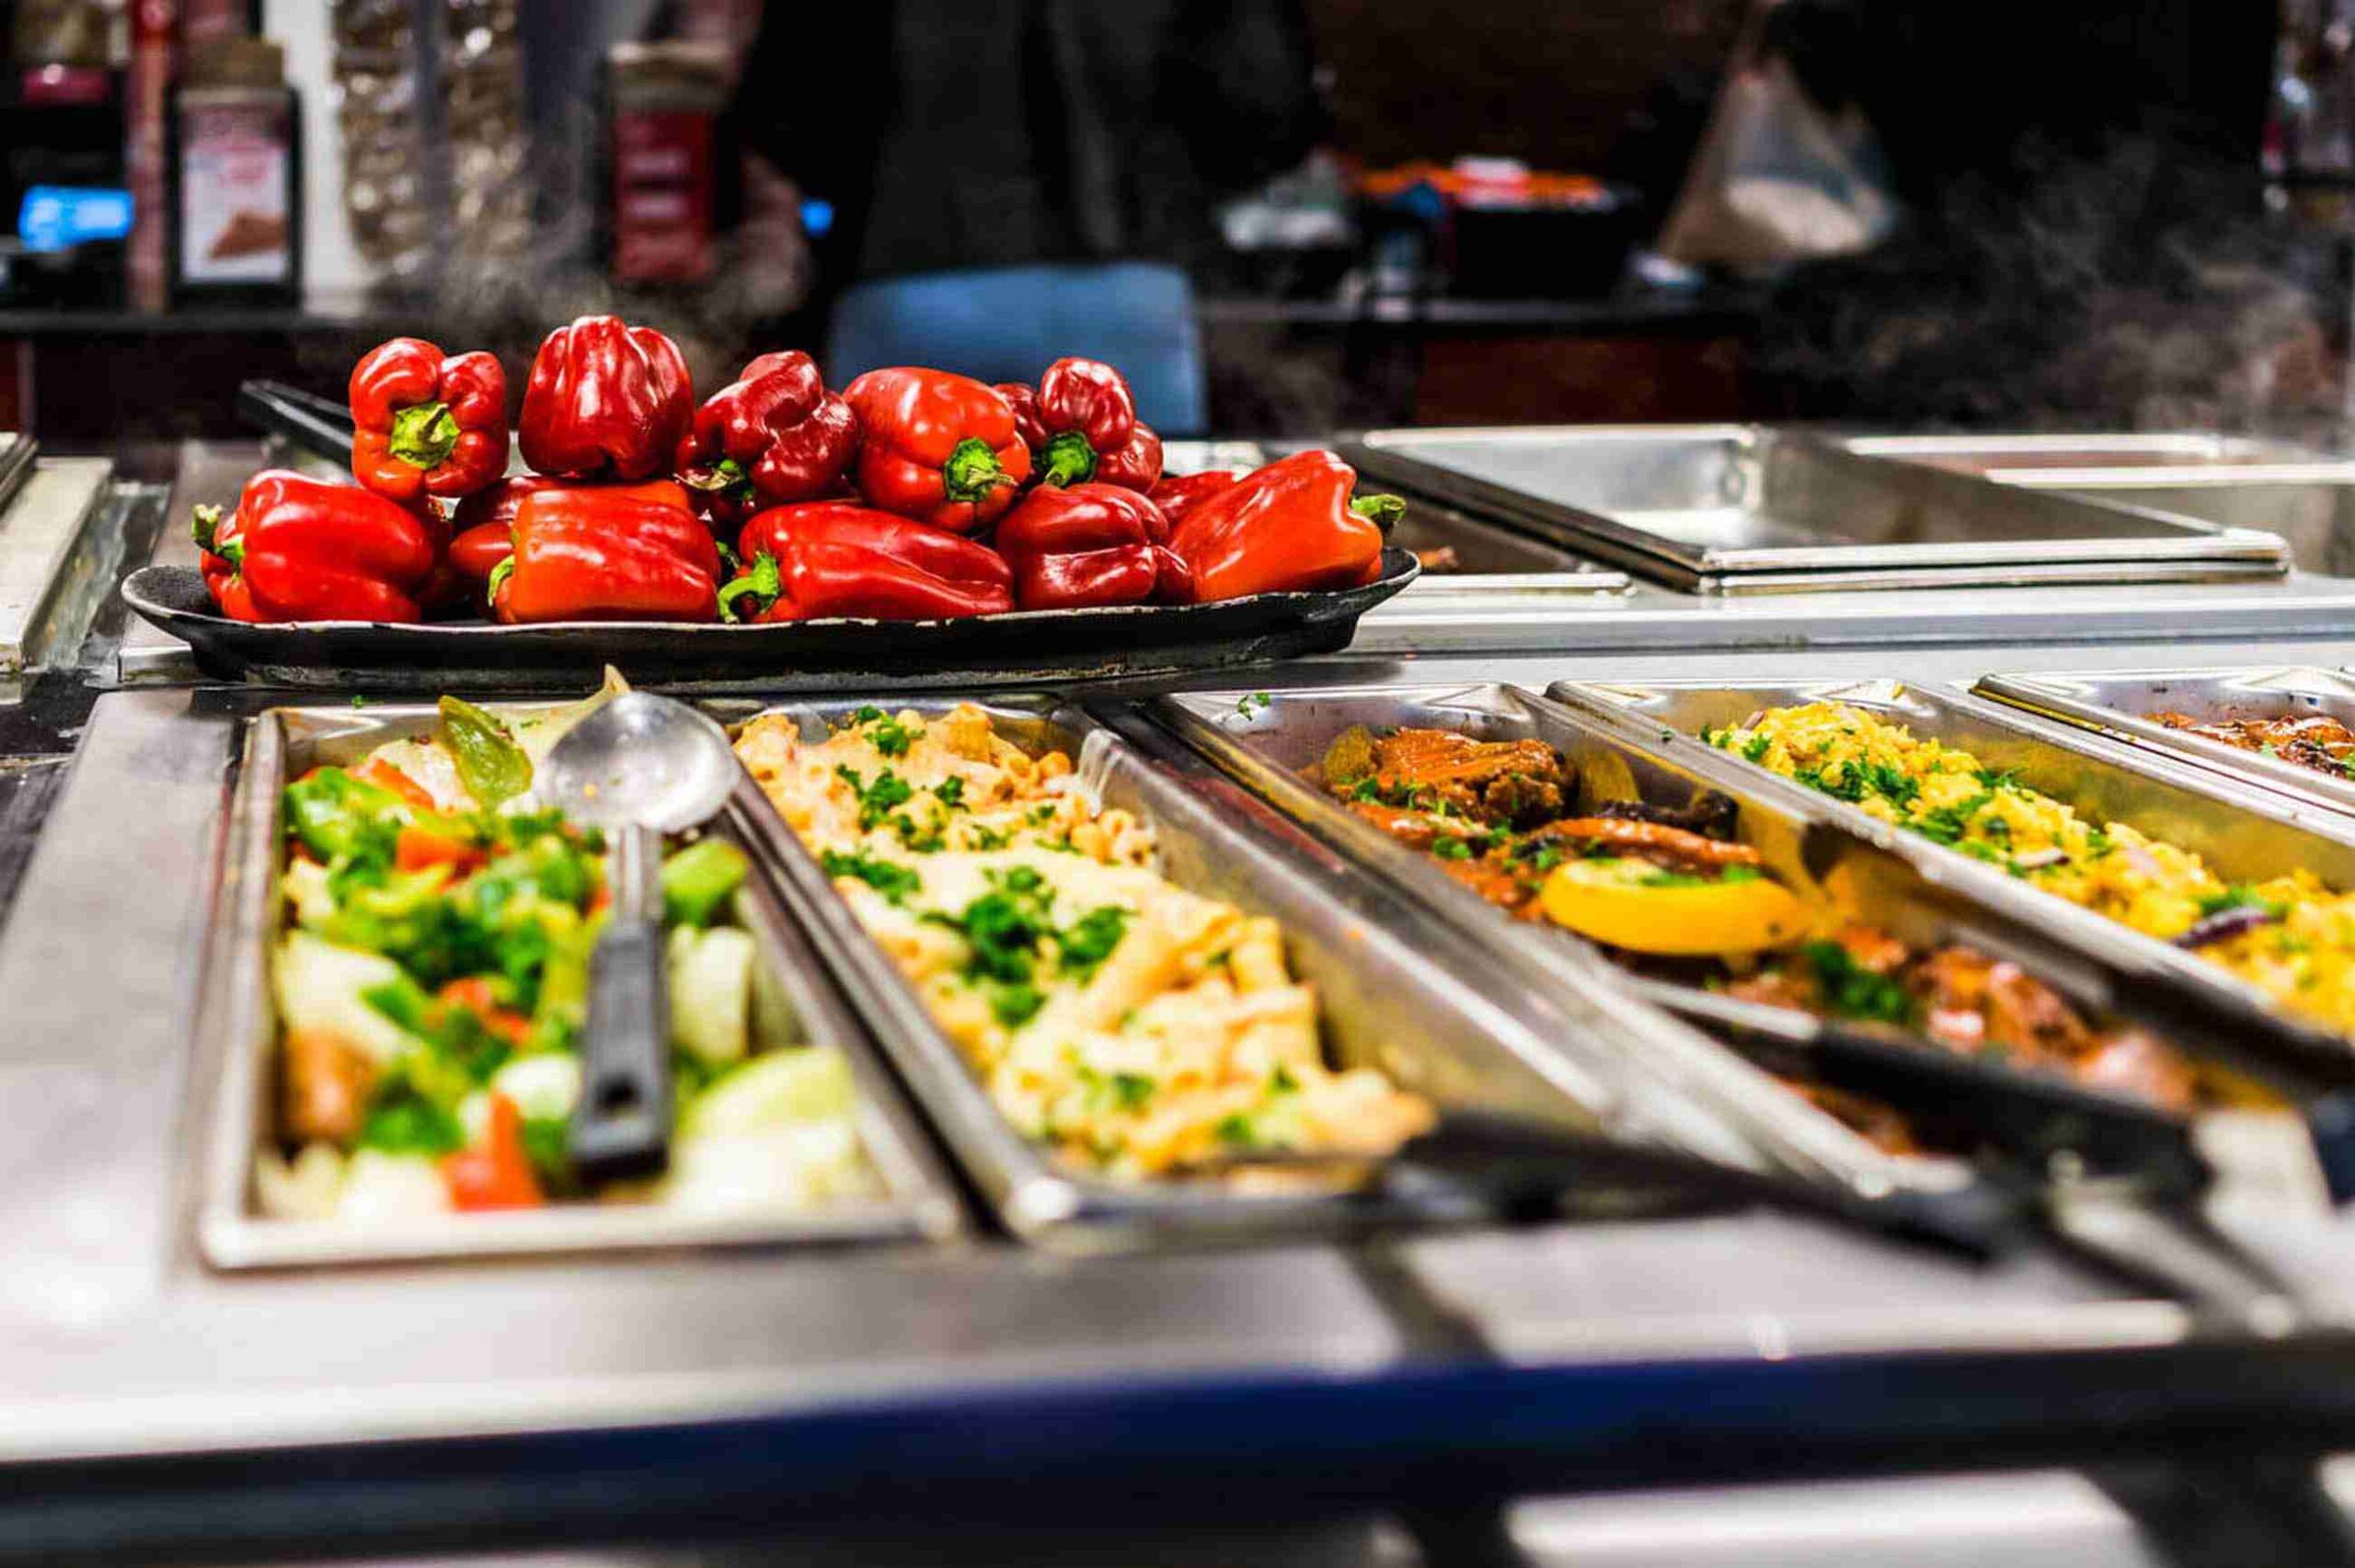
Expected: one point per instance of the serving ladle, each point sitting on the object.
(639, 767)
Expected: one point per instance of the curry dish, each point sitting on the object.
(1131, 1026)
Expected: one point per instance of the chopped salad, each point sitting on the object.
(431, 980)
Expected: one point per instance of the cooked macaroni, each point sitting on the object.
(1129, 1023)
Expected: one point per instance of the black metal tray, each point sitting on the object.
(1026, 647)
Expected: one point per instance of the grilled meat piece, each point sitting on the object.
(1650, 840)
(1520, 799)
(1710, 814)
(1509, 784)
(1437, 758)
(1502, 883)
(1416, 830)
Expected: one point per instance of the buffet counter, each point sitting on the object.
(156, 1405)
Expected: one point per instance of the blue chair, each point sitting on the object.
(1010, 322)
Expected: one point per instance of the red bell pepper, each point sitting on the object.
(939, 448)
(496, 1172)
(605, 401)
(1080, 423)
(1088, 545)
(423, 424)
(1176, 495)
(772, 437)
(829, 558)
(606, 554)
(302, 549)
(486, 520)
(1283, 528)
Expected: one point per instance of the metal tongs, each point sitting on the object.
(1518, 1168)
(319, 425)
(2121, 1185)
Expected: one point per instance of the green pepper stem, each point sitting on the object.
(424, 435)
(972, 471)
(761, 579)
(205, 526)
(726, 477)
(499, 575)
(1069, 460)
(1381, 510)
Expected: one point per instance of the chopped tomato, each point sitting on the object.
(417, 847)
(384, 775)
(475, 993)
(497, 1173)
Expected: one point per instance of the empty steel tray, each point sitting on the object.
(1741, 509)
(2306, 496)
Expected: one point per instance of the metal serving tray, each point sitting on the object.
(1267, 746)
(1741, 509)
(837, 653)
(2117, 705)
(2306, 496)
(236, 1028)
(1421, 1004)
(2245, 837)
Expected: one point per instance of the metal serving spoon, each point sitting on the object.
(639, 767)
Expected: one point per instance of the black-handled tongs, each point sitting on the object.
(319, 425)
(2041, 1125)
(2120, 1183)
(1517, 1168)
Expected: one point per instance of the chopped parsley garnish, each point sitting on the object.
(925, 839)
(951, 793)
(2239, 896)
(1250, 701)
(1893, 785)
(1947, 824)
(1235, 1131)
(877, 801)
(1850, 787)
(1756, 747)
(886, 734)
(1132, 1090)
(1003, 929)
(1016, 1003)
(1993, 779)
(1081, 946)
(1851, 990)
(892, 880)
(1451, 849)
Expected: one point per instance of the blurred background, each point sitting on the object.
(1281, 217)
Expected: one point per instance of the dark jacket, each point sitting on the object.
(959, 134)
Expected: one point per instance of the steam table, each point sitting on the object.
(900, 1403)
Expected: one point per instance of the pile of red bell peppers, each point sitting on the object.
(910, 494)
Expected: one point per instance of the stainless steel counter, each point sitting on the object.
(151, 1406)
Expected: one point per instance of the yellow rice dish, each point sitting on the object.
(1130, 1025)
(2291, 936)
